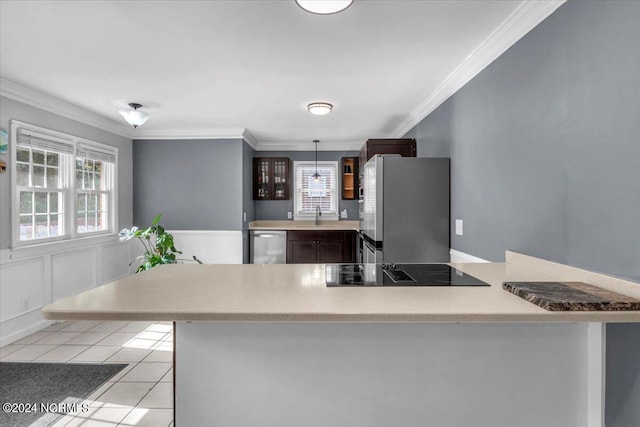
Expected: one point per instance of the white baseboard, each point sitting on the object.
(461, 257)
(18, 335)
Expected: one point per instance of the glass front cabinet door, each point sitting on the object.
(280, 179)
(261, 179)
(271, 178)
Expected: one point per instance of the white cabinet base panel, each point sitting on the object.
(383, 374)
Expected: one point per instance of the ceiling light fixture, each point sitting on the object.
(316, 176)
(319, 108)
(324, 7)
(134, 116)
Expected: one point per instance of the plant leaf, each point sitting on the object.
(160, 250)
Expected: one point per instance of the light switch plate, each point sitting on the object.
(459, 227)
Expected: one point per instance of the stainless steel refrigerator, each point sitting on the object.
(404, 211)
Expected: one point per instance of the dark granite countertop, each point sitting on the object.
(571, 296)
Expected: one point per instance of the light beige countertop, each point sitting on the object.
(297, 292)
(304, 225)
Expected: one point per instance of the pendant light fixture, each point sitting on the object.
(324, 7)
(319, 108)
(316, 176)
(134, 116)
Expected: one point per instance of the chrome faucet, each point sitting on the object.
(318, 214)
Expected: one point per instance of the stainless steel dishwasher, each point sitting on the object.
(268, 247)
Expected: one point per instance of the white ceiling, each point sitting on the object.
(215, 68)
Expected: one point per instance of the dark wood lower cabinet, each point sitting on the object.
(331, 252)
(324, 247)
(301, 251)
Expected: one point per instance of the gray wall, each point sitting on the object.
(545, 143)
(277, 209)
(11, 109)
(544, 147)
(248, 204)
(194, 184)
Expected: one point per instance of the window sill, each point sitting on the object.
(31, 250)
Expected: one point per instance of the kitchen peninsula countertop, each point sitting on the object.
(297, 292)
(304, 225)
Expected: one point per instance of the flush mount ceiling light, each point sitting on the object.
(319, 108)
(324, 7)
(134, 116)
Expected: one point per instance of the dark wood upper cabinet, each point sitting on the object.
(350, 178)
(406, 147)
(271, 178)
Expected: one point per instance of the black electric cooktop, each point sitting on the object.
(398, 275)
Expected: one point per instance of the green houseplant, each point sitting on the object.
(158, 245)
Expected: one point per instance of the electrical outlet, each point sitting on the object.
(290, 215)
(459, 227)
(244, 217)
(344, 214)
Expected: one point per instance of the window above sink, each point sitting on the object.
(312, 192)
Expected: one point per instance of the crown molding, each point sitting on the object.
(44, 101)
(249, 139)
(220, 133)
(305, 146)
(519, 22)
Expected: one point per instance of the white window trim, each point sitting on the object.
(70, 229)
(307, 217)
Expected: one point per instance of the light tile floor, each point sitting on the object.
(140, 395)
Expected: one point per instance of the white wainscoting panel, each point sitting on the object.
(115, 261)
(35, 276)
(22, 288)
(73, 272)
(31, 277)
(210, 246)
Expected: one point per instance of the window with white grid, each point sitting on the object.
(311, 192)
(49, 204)
(94, 187)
